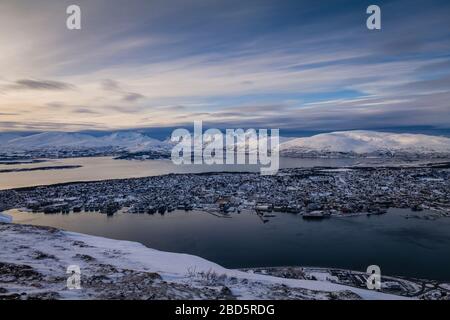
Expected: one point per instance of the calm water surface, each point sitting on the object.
(102, 168)
(409, 247)
(400, 246)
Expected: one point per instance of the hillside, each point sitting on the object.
(367, 142)
(33, 263)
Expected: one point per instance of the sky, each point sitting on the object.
(295, 65)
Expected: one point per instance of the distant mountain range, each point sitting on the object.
(356, 142)
(132, 141)
(367, 142)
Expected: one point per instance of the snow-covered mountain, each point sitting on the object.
(247, 141)
(132, 141)
(49, 139)
(367, 142)
(5, 137)
(354, 142)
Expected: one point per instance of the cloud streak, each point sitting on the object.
(297, 64)
(30, 84)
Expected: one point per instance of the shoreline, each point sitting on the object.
(314, 192)
(400, 286)
(108, 265)
(424, 164)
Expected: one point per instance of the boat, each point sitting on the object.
(315, 215)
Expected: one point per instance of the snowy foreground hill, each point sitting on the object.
(367, 142)
(34, 260)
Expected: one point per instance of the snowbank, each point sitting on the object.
(175, 266)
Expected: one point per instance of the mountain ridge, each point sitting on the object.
(67, 140)
(367, 142)
(355, 141)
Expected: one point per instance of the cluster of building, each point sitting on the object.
(400, 286)
(311, 192)
(58, 153)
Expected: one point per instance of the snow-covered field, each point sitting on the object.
(34, 261)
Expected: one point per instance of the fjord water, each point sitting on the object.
(103, 168)
(404, 247)
(407, 247)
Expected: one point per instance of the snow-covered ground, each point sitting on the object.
(34, 261)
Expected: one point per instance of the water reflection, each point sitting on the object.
(103, 168)
(408, 247)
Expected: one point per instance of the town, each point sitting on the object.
(402, 286)
(314, 193)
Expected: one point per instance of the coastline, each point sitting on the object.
(113, 269)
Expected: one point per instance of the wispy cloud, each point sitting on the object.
(132, 96)
(291, 64)
(30, 84)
